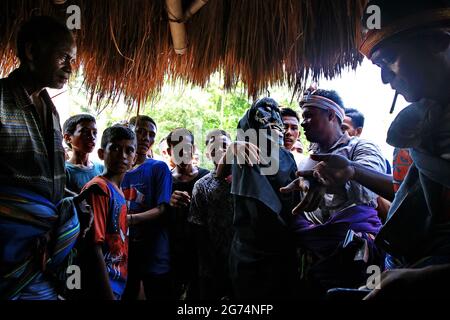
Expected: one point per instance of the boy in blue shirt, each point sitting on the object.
(148, 187)
(80, 134)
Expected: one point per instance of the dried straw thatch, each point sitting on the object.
(126, 46)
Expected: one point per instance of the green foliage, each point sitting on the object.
(199, 110)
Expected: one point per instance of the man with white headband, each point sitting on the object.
(314, 99)
(330, 216)
(323, 114)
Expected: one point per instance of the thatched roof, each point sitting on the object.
(125, 46)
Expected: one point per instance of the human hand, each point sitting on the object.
(180, 199)
(308, 184)
(85, 215)
(246, 153)
(332, 170)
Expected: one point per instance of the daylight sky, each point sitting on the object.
(363, 89)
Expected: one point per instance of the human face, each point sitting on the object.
(145, 135)
(84, 138)
(410, 68)
(181, 153)
(297, 147)
(217, 148)
(347, 126)
(53, 66)
(291, 132)
(118, 155)
(316, 124)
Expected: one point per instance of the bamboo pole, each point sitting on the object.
(177, 27)
(194, 8)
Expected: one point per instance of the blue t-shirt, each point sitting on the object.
(76, 177)
(147, 187)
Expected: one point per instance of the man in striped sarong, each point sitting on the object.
(37, 228)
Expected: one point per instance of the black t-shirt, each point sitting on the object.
(180, 232)
(189, 185)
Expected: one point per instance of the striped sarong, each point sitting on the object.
(35, 236)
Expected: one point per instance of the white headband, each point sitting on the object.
(323, 103)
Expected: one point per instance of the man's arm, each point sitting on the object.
(162, 183)
(337, 170)
(101, 280)
(378, 182)
(97, 267)
(383, 208)
(152, 214)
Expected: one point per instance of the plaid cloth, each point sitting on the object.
(30, 156)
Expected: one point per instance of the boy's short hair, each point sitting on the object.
(42, 32)
(117, 132)
(215, 133)
(288, 112)
(356, 116)
(180, 132)
(133, 121)
(70, 125)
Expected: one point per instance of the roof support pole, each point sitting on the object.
(177, 27)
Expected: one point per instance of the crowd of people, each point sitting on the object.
(143, 227)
